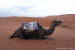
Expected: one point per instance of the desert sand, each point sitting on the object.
(61, 39)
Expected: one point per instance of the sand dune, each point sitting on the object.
(67, 19)
(61, 38)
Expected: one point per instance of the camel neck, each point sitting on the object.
(52, 27)
(51, 30)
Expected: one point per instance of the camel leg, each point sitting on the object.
(46, 38)
(12, 36)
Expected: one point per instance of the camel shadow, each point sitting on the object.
(50, 38)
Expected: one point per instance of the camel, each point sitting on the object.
(37, 34)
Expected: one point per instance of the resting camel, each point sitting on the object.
(37, 34)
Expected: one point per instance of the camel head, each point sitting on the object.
(56, 23)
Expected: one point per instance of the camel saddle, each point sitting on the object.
(30, 26)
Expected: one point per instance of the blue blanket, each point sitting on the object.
(30, 26)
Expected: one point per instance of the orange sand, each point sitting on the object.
(61, 38)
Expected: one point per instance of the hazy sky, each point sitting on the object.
(36, 7)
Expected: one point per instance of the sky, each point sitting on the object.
(36, 8)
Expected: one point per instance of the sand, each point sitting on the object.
(62, 38)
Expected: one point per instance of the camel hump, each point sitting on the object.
(30, 26)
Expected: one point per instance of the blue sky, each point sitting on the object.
(36, 8)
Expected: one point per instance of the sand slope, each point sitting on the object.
(61, 38)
